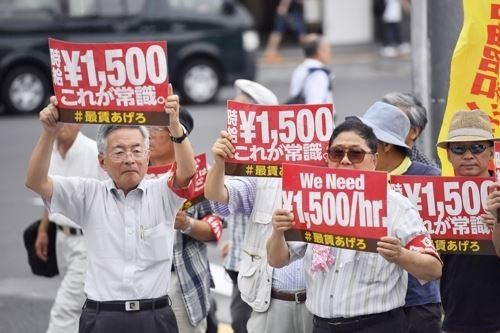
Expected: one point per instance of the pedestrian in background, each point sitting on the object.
(311, 81)
(392, 18)
(73, 155)
(469, 285)
(289, 13)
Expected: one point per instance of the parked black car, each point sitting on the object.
(209, 42)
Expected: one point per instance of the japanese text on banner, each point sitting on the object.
(335, 207)
(112, 83)
(451, 209)
(265, 136)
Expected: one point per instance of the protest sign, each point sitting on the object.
(265, 136)
(335, 207)
(450, 208)
(110, 83)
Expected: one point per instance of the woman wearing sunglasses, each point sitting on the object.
(358, 291)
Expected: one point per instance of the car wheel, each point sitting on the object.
(199, 81)
(25, 90)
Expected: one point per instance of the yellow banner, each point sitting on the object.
(474, 72)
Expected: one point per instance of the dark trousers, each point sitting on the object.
(392, 33)
(240, 311)
(160, 320)
(394, 322)
(424, 318)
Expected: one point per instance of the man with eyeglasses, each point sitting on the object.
(391, 126)
(470, 283)
(127, 221)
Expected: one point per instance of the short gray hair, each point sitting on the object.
(105, 130)
(410, 105)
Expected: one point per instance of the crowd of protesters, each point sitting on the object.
(138, 261)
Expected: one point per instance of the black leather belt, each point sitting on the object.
(354, 323)
(69, 230)
(137, 305)
(298, 297)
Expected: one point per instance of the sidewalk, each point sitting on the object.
(341, 54)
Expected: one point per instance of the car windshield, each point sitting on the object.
(201, 6)
(10, 8)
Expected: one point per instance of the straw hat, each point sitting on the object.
(468, 126)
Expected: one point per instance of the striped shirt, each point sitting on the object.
(361, 283)
(242, 192)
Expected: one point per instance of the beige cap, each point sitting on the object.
(468, 126)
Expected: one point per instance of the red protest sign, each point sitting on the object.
(265, 136)
(199, 186)
(450, 208)
(335, 207)
(110, 83)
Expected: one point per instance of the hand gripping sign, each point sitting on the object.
(451, 209)
(110, 83)
(335, 207)
(265, 136)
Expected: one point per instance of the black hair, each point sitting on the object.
(355, 125)
(311, 47)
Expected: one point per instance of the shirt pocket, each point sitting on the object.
(156, 242)
(373, 268)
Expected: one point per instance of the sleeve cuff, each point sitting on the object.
(185, 192)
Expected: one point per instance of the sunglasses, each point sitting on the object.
(354, 155)
(475, 148)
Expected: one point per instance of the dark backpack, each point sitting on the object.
(299, 98)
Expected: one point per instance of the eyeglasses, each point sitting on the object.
(121, 155)
(337, 154)
(475, 148)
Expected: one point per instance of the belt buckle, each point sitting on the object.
(132, 306)
(296, 295)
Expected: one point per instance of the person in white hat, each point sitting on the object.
(469, 285)
(276, 296)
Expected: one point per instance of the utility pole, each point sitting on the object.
(435, 27)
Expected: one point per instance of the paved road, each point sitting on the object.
(25, 300)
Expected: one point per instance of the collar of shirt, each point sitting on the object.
(402, 168)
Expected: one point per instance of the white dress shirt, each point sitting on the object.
(129, 239)
(80, 160)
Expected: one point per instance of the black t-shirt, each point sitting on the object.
(470, 293)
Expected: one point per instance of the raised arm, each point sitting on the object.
(214, 186)
(277, 248)
(184, 156)
(37, 178)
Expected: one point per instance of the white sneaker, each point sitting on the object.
(404, 48)
(388, 51)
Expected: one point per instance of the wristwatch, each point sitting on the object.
(180, 138)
